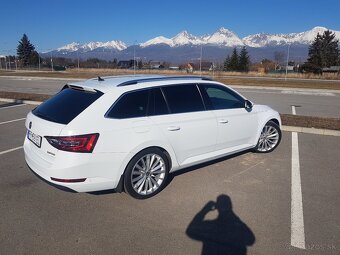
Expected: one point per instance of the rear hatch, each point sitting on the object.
(52, 116)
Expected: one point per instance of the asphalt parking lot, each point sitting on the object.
(237, 205)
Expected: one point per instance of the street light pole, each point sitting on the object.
(9, 62)
(134, 58)
(287, 61)
(51, 62)
(213, 69)
(78, 59)
(201, 61)
(39, 61)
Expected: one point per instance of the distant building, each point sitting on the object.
(189, 67)
(331, 69)
(204, 66)
(155, 65)
(126, 64)
(174, 68)
(291, 67)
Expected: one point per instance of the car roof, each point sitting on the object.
(108, 83)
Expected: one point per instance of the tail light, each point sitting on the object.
(78, 143)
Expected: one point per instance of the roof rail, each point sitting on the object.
(124, 76)
(136, 81)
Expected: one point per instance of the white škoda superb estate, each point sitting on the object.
(130, 132)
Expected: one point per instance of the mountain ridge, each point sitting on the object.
(222, 37)
(186, 47)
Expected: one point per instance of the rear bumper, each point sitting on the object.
(50, 183)
(99, 173)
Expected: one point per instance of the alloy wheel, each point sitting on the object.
(148, 174)
(269, 138)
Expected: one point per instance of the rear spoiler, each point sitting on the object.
(86, 89)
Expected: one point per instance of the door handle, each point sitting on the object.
(223, 121)
(174, 128)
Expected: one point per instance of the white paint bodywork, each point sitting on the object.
(188, 138)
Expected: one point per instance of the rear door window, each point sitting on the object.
(66, 105)
(157, 104)
(183, 98)
(130, 105)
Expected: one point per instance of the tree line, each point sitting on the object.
(323, 52)
(239, 62)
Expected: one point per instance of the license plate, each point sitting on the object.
(36, 139)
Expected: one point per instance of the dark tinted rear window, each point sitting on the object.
(183, 98)
(131, 105)
(157, 105)
(66, 105)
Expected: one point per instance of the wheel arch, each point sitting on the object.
(166, 149)
(166, 153)
(263, 121)
(276, 121)
(120, 187)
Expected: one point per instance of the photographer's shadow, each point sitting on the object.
(226, 234)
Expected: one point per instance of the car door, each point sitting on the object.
(127, 121)
(188, 127)
(236, 126)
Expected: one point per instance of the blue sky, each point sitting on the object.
(51, 24)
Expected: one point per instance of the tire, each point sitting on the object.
(146, 174)
(269, 139)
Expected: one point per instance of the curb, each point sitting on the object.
(7, 100)
(315, 131)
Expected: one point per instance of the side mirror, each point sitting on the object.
(248, 105)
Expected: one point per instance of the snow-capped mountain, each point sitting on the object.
(182, 38)
(227, 38)
(185, 46)
(263, 40)
(72, 47)
(222, 37)
(157, 40)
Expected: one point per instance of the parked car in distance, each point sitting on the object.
(129, 132)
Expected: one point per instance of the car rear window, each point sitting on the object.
(66, 105)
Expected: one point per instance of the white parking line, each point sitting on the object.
(10, 150)
(297, 237)
(293, 110)
(16, 105)
(10, 121)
